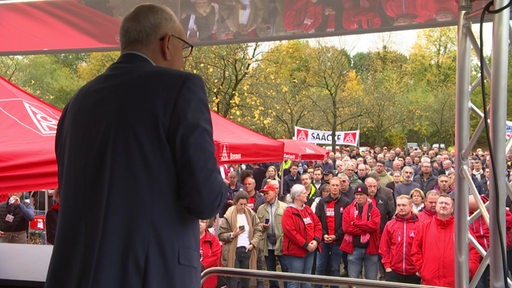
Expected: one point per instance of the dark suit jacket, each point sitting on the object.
(136, 170)
(385, 202)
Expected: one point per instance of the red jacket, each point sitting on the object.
(407, 9)
(425, 215)
(299, 228)
(302, 15)
(361, 14)
(396, 243)
(480, 230)
(354, 225)
(433, 253)
(210, 256)
(508, 227)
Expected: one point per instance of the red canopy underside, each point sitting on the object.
(28, 126)
(27, 142)
(32, 27)
(300, 150)
(237, 144)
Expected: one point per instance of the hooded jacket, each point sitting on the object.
(433, 253)
(354, 225)
(425, 215)
(210, 256)
(396, 243)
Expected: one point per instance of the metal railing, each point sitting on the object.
(281, 277)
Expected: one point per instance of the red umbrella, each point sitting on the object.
(27, 141)
(301, 150)
(38, 26)
(237, 144)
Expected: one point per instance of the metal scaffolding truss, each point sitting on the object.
(496, 76)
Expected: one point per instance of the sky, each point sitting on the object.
(398, 40)
(401, 41)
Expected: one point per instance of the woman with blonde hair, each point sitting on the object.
(418, 198)
(270, 175)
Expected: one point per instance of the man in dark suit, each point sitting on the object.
(128, 214)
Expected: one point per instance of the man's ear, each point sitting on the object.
(165, 47)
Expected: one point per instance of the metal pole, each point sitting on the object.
(498, 113)
(461, 141)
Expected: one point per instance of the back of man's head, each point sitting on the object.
(146, 24)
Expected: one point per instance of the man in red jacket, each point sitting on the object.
(429, 210)
(361, 224)
(433, 249)
(396, 243)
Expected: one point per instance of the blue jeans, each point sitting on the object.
(357, 259)
(329, 260)
(301, 265)
(271, 265)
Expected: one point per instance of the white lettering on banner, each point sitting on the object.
(289, 156)
(233, 156)
(325, 137)
(226, 155)
(329, 212)
(307, 221)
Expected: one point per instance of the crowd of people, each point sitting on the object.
(379, 214)
(360, 210)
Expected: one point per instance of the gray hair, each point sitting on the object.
(296, 190)
(433, 193)
(343, 176)
(407, 168)
(145, 24)
(240, 195)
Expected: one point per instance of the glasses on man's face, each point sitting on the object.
(186, 48)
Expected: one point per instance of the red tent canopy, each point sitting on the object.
(27, 140)
(237, 144)
(301, 150)
(36, 26)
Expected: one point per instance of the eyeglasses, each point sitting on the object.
(187, 47)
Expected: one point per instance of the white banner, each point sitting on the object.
(325, 137)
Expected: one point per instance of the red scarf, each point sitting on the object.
(56, 206)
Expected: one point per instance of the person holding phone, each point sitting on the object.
(241, 232)
(271, 214)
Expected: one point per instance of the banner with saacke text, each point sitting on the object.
(325, 137)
